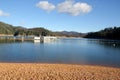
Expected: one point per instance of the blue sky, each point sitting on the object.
(94, 16)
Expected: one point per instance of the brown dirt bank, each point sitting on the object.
(26, 71)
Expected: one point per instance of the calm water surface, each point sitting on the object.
(65, 50)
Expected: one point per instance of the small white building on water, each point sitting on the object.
(45, 39)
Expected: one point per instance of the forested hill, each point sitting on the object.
(70, 34)
(7, 29)
(107, 33)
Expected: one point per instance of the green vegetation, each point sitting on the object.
(7, 29)
(33, 31)
(107, 33)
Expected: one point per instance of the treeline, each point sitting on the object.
(107, 33)
(7, 29)
(33, 31)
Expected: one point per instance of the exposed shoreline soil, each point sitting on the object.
(34, 71)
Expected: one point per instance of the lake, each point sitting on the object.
(64, 50)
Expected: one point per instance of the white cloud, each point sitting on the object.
(3, 13)
(75, 9)
(45, 5)
(68, 6)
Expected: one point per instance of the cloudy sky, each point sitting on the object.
(59, 15)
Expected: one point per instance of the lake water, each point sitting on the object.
(64, 50)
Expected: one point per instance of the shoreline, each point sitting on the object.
(46, 71)
(109, 66)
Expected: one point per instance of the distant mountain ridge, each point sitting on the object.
(70, 33)
(19, 30)
(8, 29)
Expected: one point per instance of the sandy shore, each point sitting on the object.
(26, 71)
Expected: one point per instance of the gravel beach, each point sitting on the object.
(34, 71)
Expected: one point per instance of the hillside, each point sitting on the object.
(70, 34)
(6, 28)
(32, 31)
(19, 30)
(107, 33)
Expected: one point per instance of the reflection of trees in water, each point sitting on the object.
(10, 39)
(109, 43)
(6, 40)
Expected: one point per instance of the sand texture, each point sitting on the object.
(27, 71)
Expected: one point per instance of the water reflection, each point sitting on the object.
(6, 41)
(104, 42)
(65, 50)
(36, 41)
(110, 43)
